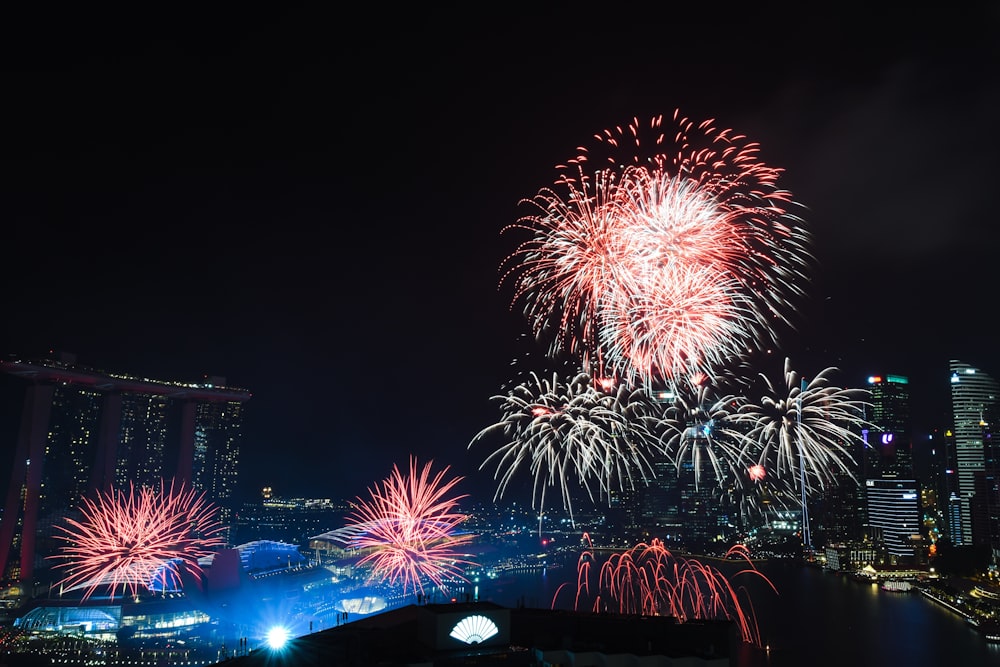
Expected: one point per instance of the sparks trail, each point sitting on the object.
(649, 580)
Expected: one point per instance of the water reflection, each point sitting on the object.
(816, 618)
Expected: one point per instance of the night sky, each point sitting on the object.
(310, 205)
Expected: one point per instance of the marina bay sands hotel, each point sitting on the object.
(84, 431)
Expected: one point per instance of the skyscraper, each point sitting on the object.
(838, 512)
(890, 436)
(944, 473)
(985, 505)
(973, 398)
(705, 513)
(660, 501)
(894, 514)
(84, 430)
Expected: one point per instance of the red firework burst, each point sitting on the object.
(649, 580)
(409, 526)
(130, 539)
(651, 267)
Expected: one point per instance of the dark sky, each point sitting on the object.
(310, 204)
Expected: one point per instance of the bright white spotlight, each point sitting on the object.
(277, 637)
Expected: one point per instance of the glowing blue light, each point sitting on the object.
(277, 637)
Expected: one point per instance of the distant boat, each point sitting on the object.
(896, 585)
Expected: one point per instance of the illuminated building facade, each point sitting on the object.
(84, 430)
(292, 520)
(215, 451)
(484, 633)
(684, 510)
(973, 400)
(850, 556)
(144, 429)
(838, 513)
(894, 514)
(943, 464)
(686, 502)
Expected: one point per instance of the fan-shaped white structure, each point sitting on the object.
(474, 629)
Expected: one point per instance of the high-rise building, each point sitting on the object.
(625, 509)
(973, 399)
(215, 454)
(837, 512)
(660, 501)
(706, 515)
(684, 508)
(985, 504)
(889, 438)
(85, 431)
(939, 477)
(894, 514)
(944, 468)
(890, 403)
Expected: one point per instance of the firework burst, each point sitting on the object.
(804, 431)
(409, 528)
(652, 267)
(700, 429)
(579, 432)
(129, 539)
(686, 319)
(649, 580)
(764, 450)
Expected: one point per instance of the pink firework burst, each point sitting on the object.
(660, 252)
(686, 319)
(567, 273)
(409, 528)
(130, 539)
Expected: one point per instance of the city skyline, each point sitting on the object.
(320, 224)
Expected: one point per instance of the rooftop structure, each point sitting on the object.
(484, 633)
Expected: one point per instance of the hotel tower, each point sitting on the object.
(84, 431)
